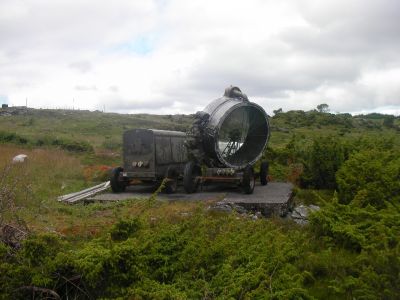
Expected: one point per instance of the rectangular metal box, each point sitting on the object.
(151, 154)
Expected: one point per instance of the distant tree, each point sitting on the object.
(277, 111)
(323, 108)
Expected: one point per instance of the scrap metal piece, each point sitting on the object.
(78, 196)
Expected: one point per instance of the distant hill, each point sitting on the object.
(99, 129)
(82, 130)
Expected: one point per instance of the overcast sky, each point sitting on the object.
(175, 56)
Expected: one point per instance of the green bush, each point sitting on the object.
(370, 177)
(346, 252)
(204, 256)
(123, 229)
(325, 158)
(370, 241)
(10, 137)
(72, 146)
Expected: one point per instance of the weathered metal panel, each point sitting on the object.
(155, 150)
(158, 132)
(139, 147)
(163, 150)
(179, 152)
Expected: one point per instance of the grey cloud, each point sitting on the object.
(85, 88)
(323, 58)
(340, 44)
(122, 104)
(350, 28)
(266, 75)
(114, 88)
(81, 66)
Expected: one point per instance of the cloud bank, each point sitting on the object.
(174, 56)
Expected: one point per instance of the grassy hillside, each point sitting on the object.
(97, 134)
(148, 249)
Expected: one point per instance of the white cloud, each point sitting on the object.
(175, 56)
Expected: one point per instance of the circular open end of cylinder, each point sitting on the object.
(242, 135)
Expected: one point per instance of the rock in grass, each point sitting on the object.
(20, 158)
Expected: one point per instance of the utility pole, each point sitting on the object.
(26, 102)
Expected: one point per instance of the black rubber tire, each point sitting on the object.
(172, 185)
(248, 181)
(264, 173)
(117, 186)
(191, 171)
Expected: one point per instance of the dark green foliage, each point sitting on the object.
(379, 143)
(346, 252)
(72, 146)
(323, 108)
(388, 121)
(205, 256)
(124, 229)
(299, 118)
(373, 249)
(374, 116)
(7, 137)
(370, 177)
(34, 265)
(325, 158)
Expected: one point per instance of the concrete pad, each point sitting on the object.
(275, 198)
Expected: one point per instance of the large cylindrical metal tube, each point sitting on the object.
(236, 132)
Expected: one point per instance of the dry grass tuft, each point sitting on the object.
(29, 188)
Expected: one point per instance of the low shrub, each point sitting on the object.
(68, 145)
(9, 137)
(345, 252)
(123, 229)
(369, 238)
(326, 156)
(370, 177)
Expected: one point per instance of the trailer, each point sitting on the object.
(223, 144)
(149, 157)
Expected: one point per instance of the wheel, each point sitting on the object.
(172, 184)
(190, 182)
(117, 185)
(248, 181)
(264, 173)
